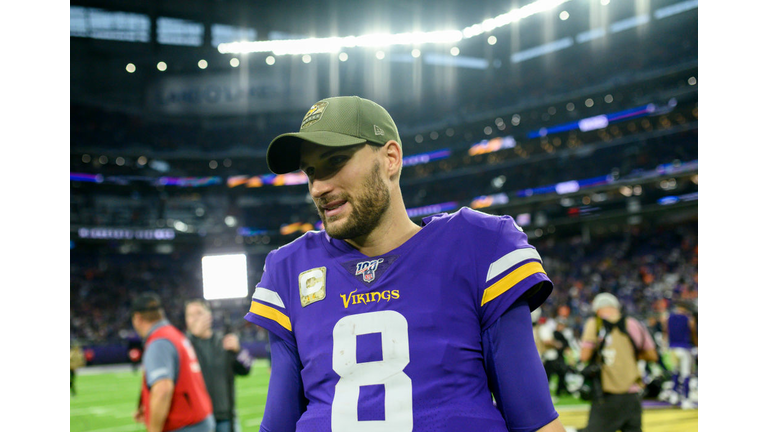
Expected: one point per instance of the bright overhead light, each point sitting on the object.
(270, 60)
(455, 51)
(336, 44)
(416, 53)
(162, 66)
(343, 56)
(234, 62)
(306, 58)
(564, 15)
(380, 55)
(492, 40)
(130, 68)
(202, 64)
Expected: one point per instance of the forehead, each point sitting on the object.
(196, 307)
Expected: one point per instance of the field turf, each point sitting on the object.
(106, 400)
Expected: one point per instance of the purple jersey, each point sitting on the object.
(678, 326)
(393, 342)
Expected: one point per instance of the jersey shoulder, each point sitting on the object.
(469, 221)
(311, 240)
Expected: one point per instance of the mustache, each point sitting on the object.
(321, 202)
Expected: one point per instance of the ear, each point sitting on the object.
(394, 159)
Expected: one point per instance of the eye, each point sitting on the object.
(337, 160)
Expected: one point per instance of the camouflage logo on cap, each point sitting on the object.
(314, 114)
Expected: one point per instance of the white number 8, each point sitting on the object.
(398, 400)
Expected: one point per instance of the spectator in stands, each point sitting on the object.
(221, 358)
(615, 343)
(173, 394)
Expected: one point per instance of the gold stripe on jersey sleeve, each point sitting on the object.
(510, 280)
(271, 313)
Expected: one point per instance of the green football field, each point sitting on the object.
(106, 401)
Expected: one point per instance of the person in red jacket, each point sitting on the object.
(173, 393)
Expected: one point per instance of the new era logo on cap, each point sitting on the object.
(377, 130)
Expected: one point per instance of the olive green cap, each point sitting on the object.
(333, 122)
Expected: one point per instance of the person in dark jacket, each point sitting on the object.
(221, 358)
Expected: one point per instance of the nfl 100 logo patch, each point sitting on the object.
(368, 269)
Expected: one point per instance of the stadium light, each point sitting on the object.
(225, 276)
(234, 62)
(130, 68)
(162, 66)
(380, 40)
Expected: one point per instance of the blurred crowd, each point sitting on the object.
(644, 268)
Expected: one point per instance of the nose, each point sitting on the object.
(319, 187)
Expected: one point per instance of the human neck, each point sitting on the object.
(391, 233)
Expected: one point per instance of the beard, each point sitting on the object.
(367, 209)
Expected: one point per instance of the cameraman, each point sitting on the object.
(615, 343)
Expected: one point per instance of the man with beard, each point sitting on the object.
(379, 324)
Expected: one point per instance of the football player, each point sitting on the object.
(379, 324)
(681, 337)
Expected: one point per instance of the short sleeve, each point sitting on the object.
(640, 335)
(509, 269)
(589, 335)
(269, 305)
(160, 361)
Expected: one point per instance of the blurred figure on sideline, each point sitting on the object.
(680, 336)
(173, 394)
(221, 358)
(76, 361)
(615, 343)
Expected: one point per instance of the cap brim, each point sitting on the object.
(283, 151)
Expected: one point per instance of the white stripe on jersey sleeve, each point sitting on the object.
(268, 296)
(510, 260)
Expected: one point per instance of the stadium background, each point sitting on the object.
(581, 121)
